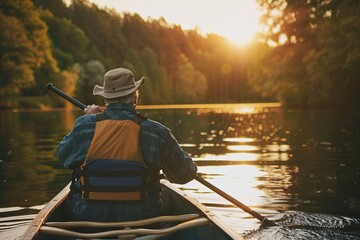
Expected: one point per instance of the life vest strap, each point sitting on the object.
(138, 119)
(117, 196)
(114, 188)
(137, 192)
(108, 173)
(102, 116)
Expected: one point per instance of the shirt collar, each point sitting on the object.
(120, 106)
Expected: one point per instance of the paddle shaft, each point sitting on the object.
(264, 221)
(65, 96)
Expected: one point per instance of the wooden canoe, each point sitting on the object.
(191, 220)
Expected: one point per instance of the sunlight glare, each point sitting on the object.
(232, 157)
(278, 148)
(235, 180)
(245, 110)
(238, 21)
(239, 140)
(240, 148)
(187, 145)
(241, 24)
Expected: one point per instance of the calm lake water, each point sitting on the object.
(295, 167)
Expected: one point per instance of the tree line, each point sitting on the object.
(316, 56)
(310, 58)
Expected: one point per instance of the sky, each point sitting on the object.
(237, 20)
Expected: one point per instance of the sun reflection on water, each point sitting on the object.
(242, 148)
(238, 157)
(278, 148)
(239, 140)
(239, 181)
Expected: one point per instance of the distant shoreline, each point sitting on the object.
(244, 106)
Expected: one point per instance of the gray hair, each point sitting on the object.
(130, 99)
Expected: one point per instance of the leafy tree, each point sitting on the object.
(66, 81)
(311, 39)
(334, 66)
(157, 88)
(191, 84)
(167, 46)
(104, 31)
(90, 74)
(136, 31)
(70, 44)
(57, 7)
(25, 48)
(292, 21)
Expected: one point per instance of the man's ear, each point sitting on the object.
(135, 99)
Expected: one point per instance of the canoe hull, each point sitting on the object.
(55, 211)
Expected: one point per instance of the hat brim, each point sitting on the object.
(99, 90)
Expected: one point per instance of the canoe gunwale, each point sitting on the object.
(214, 220)
(34, 227)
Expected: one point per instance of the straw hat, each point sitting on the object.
(118, 82)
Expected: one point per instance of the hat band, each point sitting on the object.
(111, 90)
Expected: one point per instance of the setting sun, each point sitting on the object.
(236, 20)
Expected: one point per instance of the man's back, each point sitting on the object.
(159, 150)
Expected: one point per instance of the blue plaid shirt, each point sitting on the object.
(159, 148)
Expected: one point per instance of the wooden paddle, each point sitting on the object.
(65, 96)
(264, 221)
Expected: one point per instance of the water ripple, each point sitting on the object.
(300, 225)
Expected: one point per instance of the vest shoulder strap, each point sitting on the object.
(102, 116)
(138, 119)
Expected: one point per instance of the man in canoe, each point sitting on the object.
(117, 155)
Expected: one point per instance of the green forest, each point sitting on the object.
(308, 57)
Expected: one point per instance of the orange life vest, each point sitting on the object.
(114, 169)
